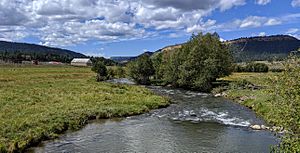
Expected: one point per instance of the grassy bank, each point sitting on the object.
(272, 97)
(40, 102)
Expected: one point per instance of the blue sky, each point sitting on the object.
(130, 27)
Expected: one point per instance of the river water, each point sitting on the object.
(194, 122)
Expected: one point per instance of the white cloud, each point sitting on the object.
(12, 33)
(295, 3)
(293, 31)
(262, 34)
(203, 26)
(257, 21)
(262, 2)
(71, 22)
(65, 34)
(227, 4)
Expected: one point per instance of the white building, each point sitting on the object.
(81, 62)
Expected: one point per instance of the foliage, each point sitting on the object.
(141, 69)
(106, 62)
(252, 67)
(101, 71)
(256, 67)
(197, 63)
(18, 52)
(157, 61)
(116, 72)
(120, 72)
(278, 102)
(40, 102)
(286, 93)
(268, 48)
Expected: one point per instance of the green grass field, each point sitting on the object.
(277, 101)
(259, 100)
(40, 102)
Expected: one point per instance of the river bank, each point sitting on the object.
(254, 90)
(194, 122)
(40, 102)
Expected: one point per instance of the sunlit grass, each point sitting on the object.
(274, 108)
(39, 102)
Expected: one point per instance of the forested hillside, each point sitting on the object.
(263, 48)
(16, 52)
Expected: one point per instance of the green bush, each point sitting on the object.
(198, 63)
(101, 70)
(120, 72)
(286, 97)
(141, 69)
(238, 68)
(251, 67)
(257, 67)
(111, 74)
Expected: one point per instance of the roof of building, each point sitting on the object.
(81, 60)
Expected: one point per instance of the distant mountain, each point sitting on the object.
(12, 51)
(245, 49)
(123, 59)
(263, 48)
(257, 48)
(126, 59)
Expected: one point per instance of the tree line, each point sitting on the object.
(18, 57)
(195, 65)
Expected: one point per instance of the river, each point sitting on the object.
(194, 122)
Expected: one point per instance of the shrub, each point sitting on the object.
(197, 63)
(111, 74)
(101, 70)
(120, 72)
(238, 68)
(286, 93)
(257, 67)
(141, 69)
(251, 67)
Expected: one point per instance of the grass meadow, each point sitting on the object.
(40, 102)
(276, 100)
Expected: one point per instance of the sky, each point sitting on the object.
(130, 27)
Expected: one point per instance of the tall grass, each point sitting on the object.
(40, 102)
(278, 101)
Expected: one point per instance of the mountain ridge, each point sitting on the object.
(252, 48)
(27, 51)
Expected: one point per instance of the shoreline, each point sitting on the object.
(44, 102)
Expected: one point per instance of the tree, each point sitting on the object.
(120, 72)
(141, 69)
(198, 63)
(101, 71)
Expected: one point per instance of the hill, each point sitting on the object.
(263, 48)
(247, 49)
(126, 59)
(16, 52)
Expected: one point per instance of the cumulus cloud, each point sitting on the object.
(227, 4)
(12, 33)
(185, 5)
(68, 22)
(257, 21)
(262, 2)
(295, 3)
(71, 22)
(11, 13)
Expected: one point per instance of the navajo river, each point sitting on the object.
(194, 122)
